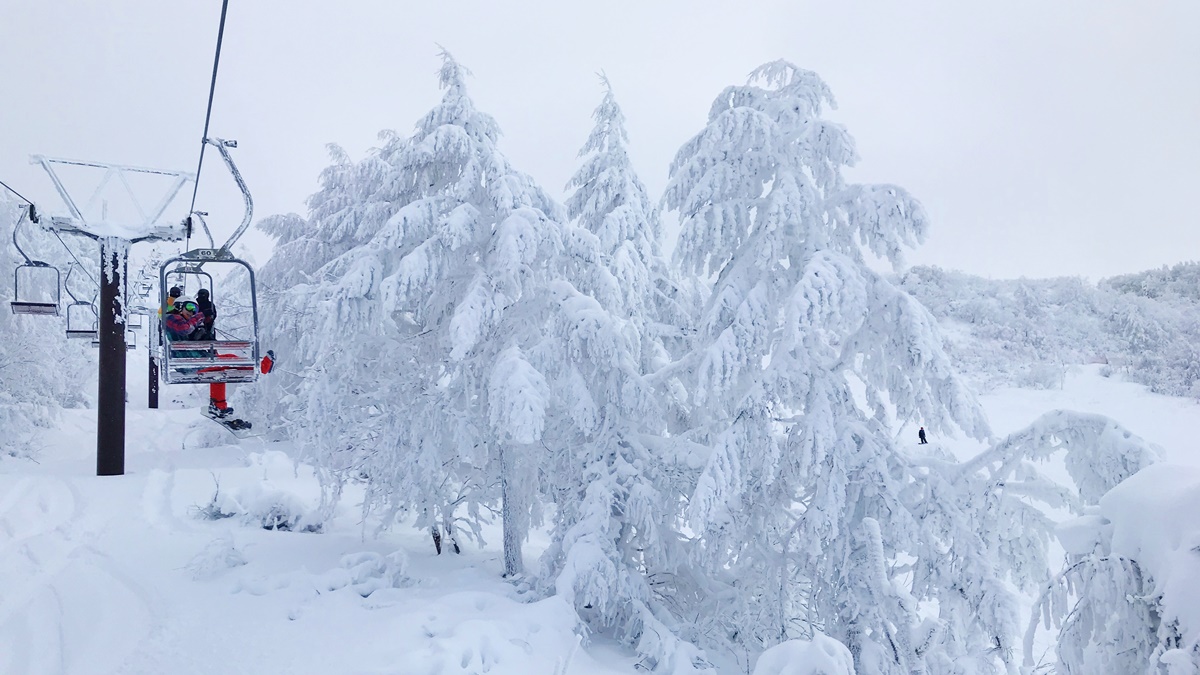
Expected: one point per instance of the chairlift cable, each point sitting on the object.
(72, 254)
(15, 192)
(212, 87)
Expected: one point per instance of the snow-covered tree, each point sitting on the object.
(416, 253)
(1102, 603)
(610, 200)
(623, 316)
(807, 357)
(470, 352)
(1127, 599)
(39, 372)
(343, 214)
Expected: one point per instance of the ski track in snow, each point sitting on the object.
(65, 607)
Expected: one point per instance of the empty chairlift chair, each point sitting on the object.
(37, 274)
(81, 321)
(36, 284)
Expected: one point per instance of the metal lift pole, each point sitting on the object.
(110, 406)
(152, 396)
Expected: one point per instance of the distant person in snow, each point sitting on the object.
(208, 311)
(921, 436)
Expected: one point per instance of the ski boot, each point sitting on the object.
(214, 411)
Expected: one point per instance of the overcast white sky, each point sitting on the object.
(1044, 137)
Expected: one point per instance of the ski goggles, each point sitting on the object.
(189, 306)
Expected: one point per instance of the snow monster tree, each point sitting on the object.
(810, 517)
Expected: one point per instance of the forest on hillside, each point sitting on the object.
(1026, 332)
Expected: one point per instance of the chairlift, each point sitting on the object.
(234, 358)
(82, 318)
(81, 321)
(36, 274)
(32, 270)
(130, 342)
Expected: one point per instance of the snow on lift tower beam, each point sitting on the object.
(146, 226)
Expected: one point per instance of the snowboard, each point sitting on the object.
(235, 426)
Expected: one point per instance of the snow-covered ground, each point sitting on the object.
(126, 575)
(1172, 423)
(123, 575)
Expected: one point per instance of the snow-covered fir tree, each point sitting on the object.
(611, 489)
(610, 200)
(495, 361)
(399, 247)
(338, 221)
(811, 517)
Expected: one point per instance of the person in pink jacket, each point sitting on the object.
(186, 322)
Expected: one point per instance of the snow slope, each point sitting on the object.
(124, 575)
(1173, 423)
(1170, 422)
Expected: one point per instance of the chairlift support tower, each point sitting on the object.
(115, 241)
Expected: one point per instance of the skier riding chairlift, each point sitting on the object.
(186, 322)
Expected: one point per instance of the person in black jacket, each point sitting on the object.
(205, 306)
(921, 436)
